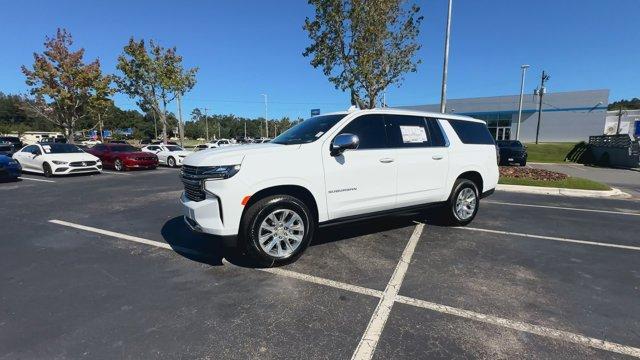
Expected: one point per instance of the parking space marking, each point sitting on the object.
(32, 179)
(552, 238)
(525, 327)
(114, 172)
(563, 208)
(401, 269)
(371, 336)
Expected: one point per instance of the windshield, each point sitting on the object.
(308, 131)
(56, 148)
(124, 148)
(174, 148)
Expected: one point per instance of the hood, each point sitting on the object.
(233, 155)
(71, 157)
(4, 160)
(181, 153)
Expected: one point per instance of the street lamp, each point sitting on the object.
(524, 70)
(266, 125)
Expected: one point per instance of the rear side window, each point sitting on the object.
(437, 137)
(471, 132)
(370, 130)
(407, 131)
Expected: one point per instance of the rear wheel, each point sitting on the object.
(46, 169)
(463, 203)
(276, 230)
(171, 162)
(118, 165)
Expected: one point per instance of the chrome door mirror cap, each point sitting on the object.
(344, 142)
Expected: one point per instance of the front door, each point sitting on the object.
(363, 180)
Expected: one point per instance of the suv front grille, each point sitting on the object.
(192, 184)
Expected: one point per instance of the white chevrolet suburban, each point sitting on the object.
(269, 198)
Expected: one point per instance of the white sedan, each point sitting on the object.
(57, 159)
(170, 155)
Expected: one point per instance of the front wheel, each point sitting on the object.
(118, 165)
(171, 162)
(46, 169)
(276, 230)
(463, 203)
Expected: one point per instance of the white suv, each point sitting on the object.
(338, 167)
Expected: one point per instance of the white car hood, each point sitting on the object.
(233, 155)
(180, 153)
(71, 157)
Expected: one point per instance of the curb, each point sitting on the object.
(562, 191)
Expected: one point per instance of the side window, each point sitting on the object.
(152, 148)
(437, 137)
(407, 131)
(471, 132)
(370, 130)
(29, 148)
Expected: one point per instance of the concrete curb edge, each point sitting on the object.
(562, 191)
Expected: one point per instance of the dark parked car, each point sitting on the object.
(9, 168)
(512, 152)
(7, 148)
(122, 157)
(14, 140)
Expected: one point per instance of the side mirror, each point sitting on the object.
(35, 152)
(344, 142)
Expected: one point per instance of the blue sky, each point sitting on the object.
(245, 48)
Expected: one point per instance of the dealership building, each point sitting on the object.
(566, 116)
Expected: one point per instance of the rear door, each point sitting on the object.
(363, 180)
(422, 158)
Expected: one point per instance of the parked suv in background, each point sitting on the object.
(335, 168)
(512, 152)
(13, 140)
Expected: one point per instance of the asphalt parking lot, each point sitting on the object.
(102, 266)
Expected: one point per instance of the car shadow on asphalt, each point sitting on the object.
(210, 250)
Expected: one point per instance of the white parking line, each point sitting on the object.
(522, 326)
(369, 341)
(563, 208)
(32, 179)
(396, 279)
(552, 238)
(114, 172)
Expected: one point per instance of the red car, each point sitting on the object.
(123, 156)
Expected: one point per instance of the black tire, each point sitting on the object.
(523, 162)
(46, 169)
(248, 240)
(450, 216)
(171, 162)
(118, 165)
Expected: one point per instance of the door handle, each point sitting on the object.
(437, 157)
(386, 160)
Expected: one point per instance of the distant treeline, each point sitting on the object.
(15, 119)
(633, 104)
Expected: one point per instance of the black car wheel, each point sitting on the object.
(171, 162)
(276, 230)
(46, 169)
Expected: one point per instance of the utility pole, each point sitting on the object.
(245, 130)
(266, 116)
(206, 124)
(524, 70)
(180, 126)
(540, 93)
(443, 95)
(619, 120)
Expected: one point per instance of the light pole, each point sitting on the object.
(266, 114)
(524, 70)
(443, 95)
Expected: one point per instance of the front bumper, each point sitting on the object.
(10, 172)
(67, 170)
(140, 164)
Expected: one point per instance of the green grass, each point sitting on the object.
(548, 152)
(568, 183)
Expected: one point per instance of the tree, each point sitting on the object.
(63, 86)
(623, 104)
(155, 76)
(363, 45)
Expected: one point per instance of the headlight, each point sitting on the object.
(59, 162)
(220, 172)
(98, 161)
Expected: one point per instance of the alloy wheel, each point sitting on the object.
(281, 233)
(466, 204)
